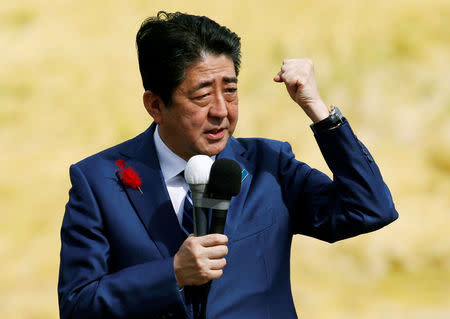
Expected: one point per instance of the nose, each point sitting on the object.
(219, 107)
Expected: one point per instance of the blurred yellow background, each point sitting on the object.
(70, 87)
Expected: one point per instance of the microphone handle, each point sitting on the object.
(218, 219)
(200, 221)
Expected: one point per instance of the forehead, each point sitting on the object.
(209, 68)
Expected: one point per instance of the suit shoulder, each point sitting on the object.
(261, 144)
(264, 152)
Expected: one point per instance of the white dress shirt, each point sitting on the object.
(171, 166)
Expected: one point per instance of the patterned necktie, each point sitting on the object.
(188, 215)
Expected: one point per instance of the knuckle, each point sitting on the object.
(199, 265)
(190, 241)
(220, 238)
(196, 253)
(308, 61)
(204, 275)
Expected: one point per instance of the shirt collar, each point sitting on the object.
(171, 164)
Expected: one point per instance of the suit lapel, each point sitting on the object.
(235, 151)
(153, 206)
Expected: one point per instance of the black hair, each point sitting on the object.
(168, 43)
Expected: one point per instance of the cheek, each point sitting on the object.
(198, 119)
(233, 114)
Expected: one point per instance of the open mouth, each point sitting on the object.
(215, 134)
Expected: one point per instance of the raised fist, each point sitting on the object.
(298, 76)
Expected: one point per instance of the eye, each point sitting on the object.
(200, 97)
(231, 90)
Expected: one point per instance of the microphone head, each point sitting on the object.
(225, 178)
(197, 169)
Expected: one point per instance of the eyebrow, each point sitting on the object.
(225, 80)
(232, 79)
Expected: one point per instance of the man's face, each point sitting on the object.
(204, 109)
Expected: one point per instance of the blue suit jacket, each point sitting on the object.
(118, 244)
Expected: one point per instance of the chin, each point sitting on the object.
(216, 149)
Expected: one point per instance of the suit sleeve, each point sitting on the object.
(356, 201)
(87, 288)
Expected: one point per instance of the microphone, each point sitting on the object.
(196, 175)
(224, 183)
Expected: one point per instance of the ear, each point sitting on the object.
(154, 106)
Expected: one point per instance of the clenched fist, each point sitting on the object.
(298, 76)
(200, 259)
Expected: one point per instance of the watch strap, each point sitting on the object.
(333, 120)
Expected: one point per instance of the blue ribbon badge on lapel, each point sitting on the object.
(244, 175)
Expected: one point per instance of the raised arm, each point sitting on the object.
(357, 200)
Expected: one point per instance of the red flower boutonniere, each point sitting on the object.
(128, 175)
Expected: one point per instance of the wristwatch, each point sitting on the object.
(333, 120)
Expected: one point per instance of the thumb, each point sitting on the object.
(278, 78)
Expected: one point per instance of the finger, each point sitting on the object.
(191, 239)
(292, 78)
(286, 61)
(213, 240)
(286, 77)
(216, 264)
(277, 77)
(215, 274)
(216, 251)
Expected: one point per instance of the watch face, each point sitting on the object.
(337, 116)
(336, 111)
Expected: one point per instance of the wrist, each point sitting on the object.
(318, 111)
(334, 119)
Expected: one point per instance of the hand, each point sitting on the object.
(298, 76)
(200, 259)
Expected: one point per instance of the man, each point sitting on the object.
(124, 251)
